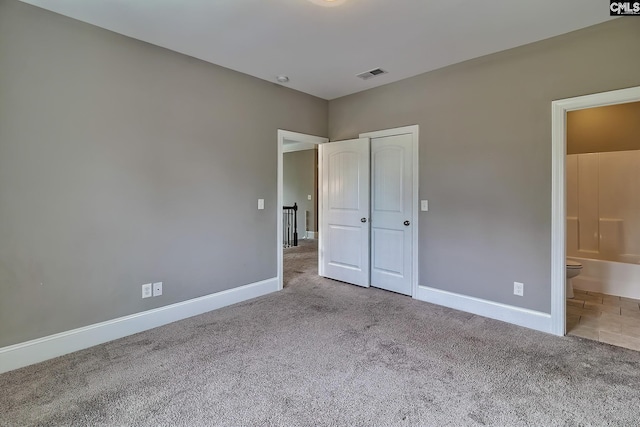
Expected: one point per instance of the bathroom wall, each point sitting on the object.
(603, 129)
(603, 206)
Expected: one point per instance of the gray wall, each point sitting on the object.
(299, 170)
(122, 163)
(485, 153)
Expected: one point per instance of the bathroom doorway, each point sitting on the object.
(603, 224)
(594, 299)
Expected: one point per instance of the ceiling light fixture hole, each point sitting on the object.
(328, 3)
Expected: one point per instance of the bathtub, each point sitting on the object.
(608, 277)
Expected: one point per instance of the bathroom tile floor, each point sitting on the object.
(605, 318)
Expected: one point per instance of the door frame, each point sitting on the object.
(558, 189)
(414, 131)
(296, 137)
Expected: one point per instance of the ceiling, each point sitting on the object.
(321, 49)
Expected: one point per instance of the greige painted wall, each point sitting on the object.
(601, 129)
(485, 153)
(122, 163)
(299, 174)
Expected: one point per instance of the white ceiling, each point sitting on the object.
(321, 49)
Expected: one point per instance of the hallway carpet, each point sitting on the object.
(324, 353)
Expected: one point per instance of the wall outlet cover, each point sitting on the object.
(260, 204)
(146, 290)
(424, 205)
(518, 288)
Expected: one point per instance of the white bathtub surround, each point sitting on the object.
(607, 277)
(603, 206)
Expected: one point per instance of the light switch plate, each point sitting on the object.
(424, 205)
(157, 289)
(260, 203)
(309, 197)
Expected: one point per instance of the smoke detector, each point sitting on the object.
(282, 79)
(371, 73)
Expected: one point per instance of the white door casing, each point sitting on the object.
(344, 228)
(559, 109)
(392, 213)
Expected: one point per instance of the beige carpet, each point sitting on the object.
(323, 353)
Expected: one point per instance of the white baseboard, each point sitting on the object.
(41, 349)
(310, 235)
(507, 313)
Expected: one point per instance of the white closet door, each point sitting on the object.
(391, 213)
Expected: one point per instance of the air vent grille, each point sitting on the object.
(371, 73)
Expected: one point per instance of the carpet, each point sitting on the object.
(325, 353)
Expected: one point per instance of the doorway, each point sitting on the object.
(560, 108)
(291, 140)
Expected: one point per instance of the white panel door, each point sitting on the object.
(391, 213)
(344, 232)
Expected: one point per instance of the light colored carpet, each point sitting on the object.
(324, 353)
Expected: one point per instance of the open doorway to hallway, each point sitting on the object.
(299, 210)
(297, 186)
(299, 192)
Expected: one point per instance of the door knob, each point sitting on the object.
(407, 223)
(363, 219)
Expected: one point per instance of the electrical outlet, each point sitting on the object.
(424, 205)
(308, 196)
(260, 204)
(157, 289)
(146, 290)
(518, 288)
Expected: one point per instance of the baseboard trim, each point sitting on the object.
(41, 349)
(507, 313)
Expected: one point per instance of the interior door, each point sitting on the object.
(391, 213)
(344, 231)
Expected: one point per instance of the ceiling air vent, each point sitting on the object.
(371, 73)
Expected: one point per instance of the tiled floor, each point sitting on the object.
(605, 318)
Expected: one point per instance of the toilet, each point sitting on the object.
(573, 269)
